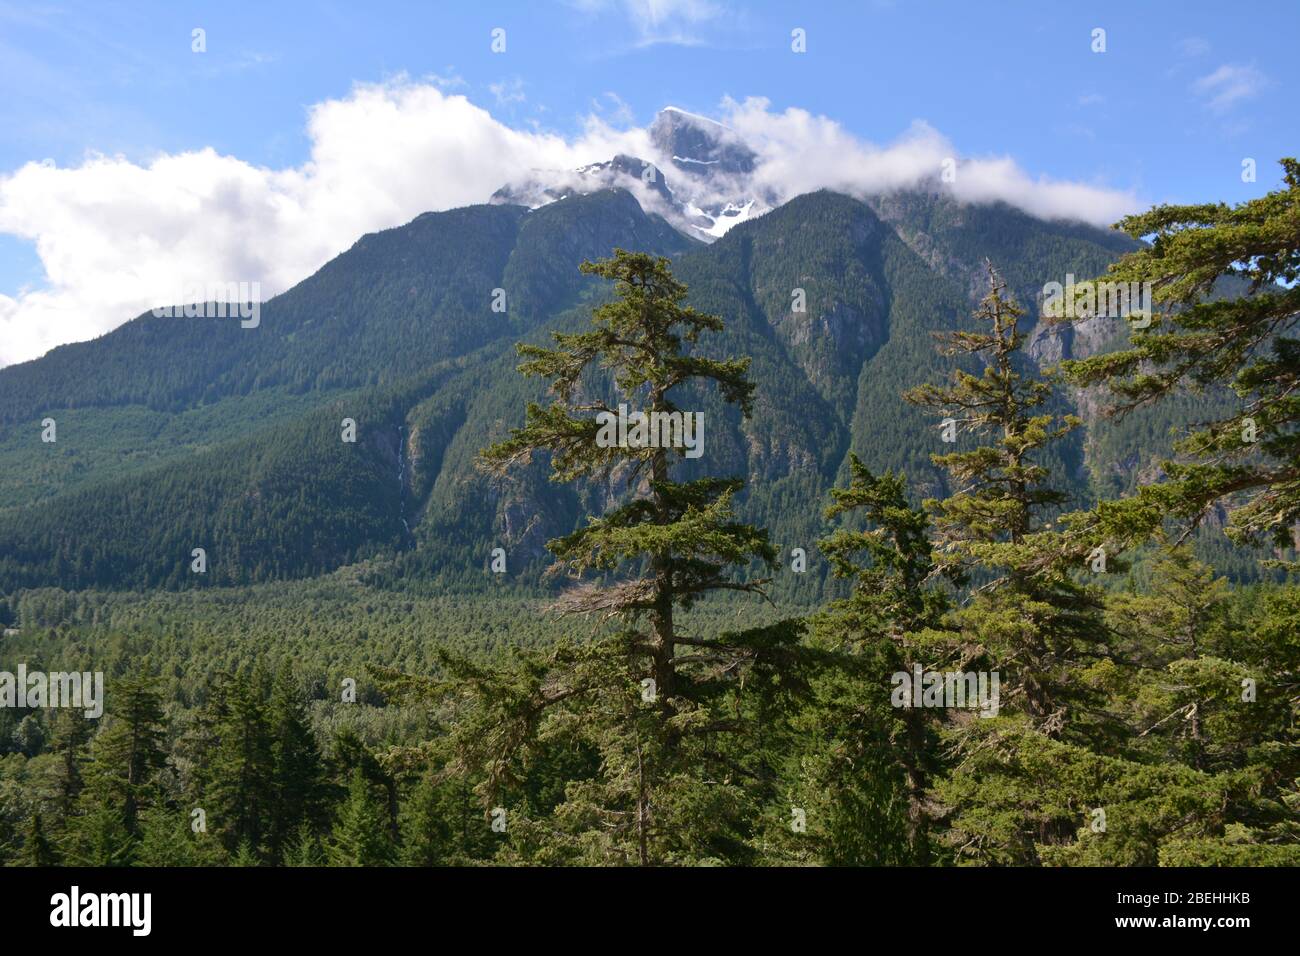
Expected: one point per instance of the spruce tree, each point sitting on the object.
(167, 838)
(303, 848)
(99, 836)
(126, 754)
(239, 795)
(72, 731)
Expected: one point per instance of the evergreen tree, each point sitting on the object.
(240, 795)
(99, 836)
(1205, 334)
(29, 736)
(1028, 610)
(245, 855)
(126, 755)
(303, 849)
(864, 757)
(361, 834)
(662, 708)
(1172, 626)
(72, 731)
(167, 839)
(350, 754)
(1192, 769)
(299, 771)
(427, 832)
(37, 849)
(6, 836)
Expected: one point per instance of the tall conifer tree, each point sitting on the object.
(993, 530)
(661, 706)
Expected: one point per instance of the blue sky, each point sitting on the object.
(1183, 92)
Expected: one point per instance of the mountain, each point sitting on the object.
(182, 433)
(710, 187)
(715, 166)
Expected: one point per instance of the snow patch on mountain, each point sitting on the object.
(711, 187)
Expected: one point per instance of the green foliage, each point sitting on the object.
(863, 767)
(361, 835)
(1028, 612)
(1248, 457)
(662, 709)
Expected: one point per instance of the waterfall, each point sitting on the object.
(401, 476)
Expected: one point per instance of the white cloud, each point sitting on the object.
(1229, 84)
(116, 238)
(1194, 46)
(800, 152)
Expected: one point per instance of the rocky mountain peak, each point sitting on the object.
(708, 193)
(699, 146)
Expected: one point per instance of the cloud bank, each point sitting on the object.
(800, 152)
(116, 238)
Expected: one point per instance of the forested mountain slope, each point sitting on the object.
(183, 433)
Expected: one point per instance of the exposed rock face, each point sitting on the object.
(524, 528)
(700, 147)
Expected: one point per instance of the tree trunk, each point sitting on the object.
(917, 824)
(643, 842)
